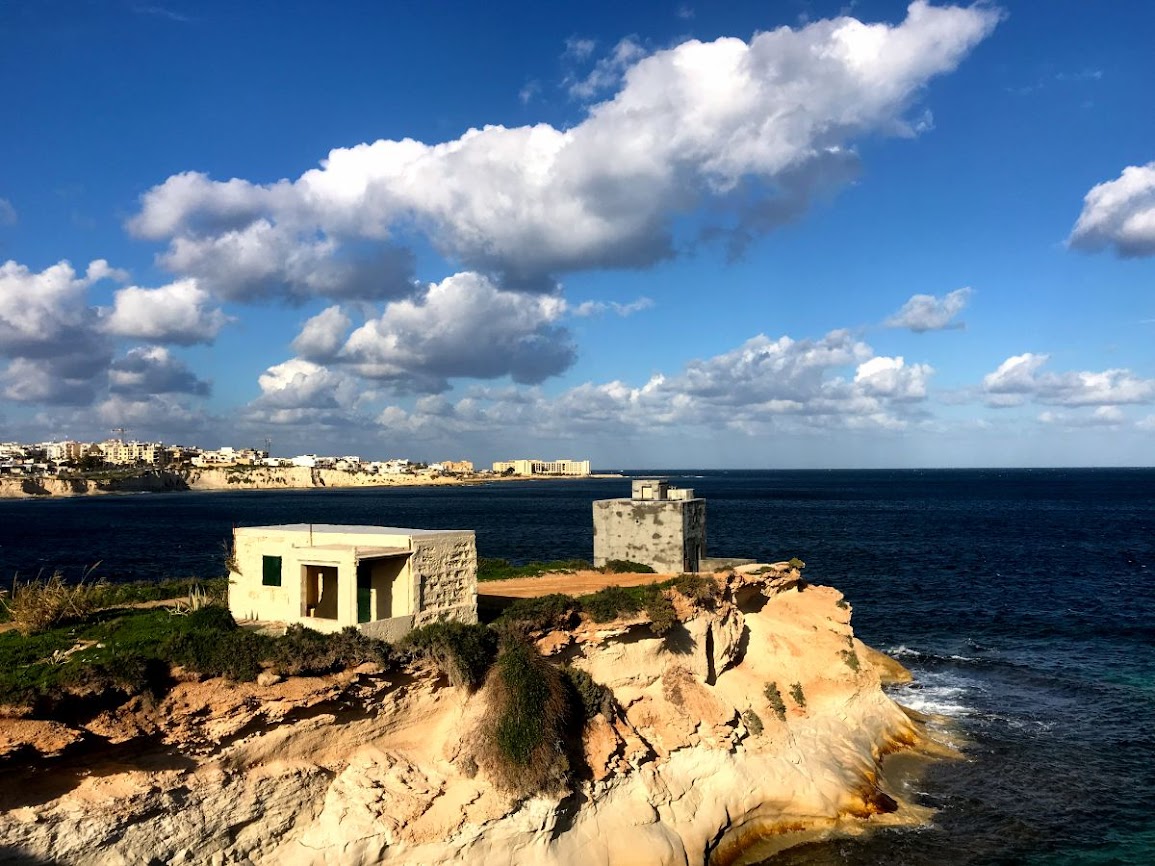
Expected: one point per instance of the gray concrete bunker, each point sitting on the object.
(660, 526)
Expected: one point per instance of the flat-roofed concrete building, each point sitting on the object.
(660, 526)
(542, 467)
(383, 580)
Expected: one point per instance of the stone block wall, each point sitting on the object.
(445, 568)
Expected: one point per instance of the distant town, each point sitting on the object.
(72, 458)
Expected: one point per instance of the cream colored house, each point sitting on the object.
(383, 580)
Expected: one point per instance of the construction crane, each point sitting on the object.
(119, 431)
(268, 446)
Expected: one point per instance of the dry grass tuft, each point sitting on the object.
(39, 605)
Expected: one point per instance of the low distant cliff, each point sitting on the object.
(209, 478)
(748, 724)
(144, 481)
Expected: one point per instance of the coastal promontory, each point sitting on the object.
(718, 726)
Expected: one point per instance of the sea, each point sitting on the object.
(1022, 600)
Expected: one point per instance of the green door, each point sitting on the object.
(364, 594)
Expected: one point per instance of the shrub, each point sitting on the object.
(591, 696)
(661, 612)
(753, 722)
(521, 745)
(210, 643)
(774, 698)
(463, 652)
(39, 605)
(795, 562)
(213, 617)
(798, 695)
(610, 603)
(851, 658)
(305, 652)
(543, 613)
(626, 566)
(698, 589)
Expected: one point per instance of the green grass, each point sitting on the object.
(132, 650)
(502, 569)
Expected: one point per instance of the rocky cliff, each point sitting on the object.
(746, 725)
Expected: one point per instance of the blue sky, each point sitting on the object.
(769, 234)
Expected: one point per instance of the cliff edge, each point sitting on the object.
(750, 721)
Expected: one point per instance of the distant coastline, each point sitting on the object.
(239, 478)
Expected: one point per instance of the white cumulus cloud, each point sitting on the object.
(929, 313)
(1119, 214)
(462, 327)
(180, 313)
(754, 129)
(1020, 378)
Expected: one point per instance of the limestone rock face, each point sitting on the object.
(373, 767)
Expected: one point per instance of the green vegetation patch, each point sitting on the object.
(591, 696)
(463, 652)
(774, 699)
(522, 741)
(851, 658)
(753, 722)
(626, 566)
(798, 695)
(544, 613)
(503, 569)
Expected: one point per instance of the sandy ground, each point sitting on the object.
(571, 583)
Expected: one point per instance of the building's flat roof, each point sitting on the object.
(362, 552)
(323, 528)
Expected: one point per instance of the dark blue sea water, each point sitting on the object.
(1023, 601)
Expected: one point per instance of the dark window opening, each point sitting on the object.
(271, 570)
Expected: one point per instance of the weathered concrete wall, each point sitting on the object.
(392, 629)
(445, 566)
(667, 535)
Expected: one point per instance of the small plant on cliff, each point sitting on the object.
(753, 722)
(774, 698)
(698, 589)
(591, 696)
(661, 612)
(39, 605)
(626, 566)
(521, 746)
(543, 613)
(798, 695)
(795, 562)
(851, 658)
(463, 652)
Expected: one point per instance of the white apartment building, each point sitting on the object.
(574, 468)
